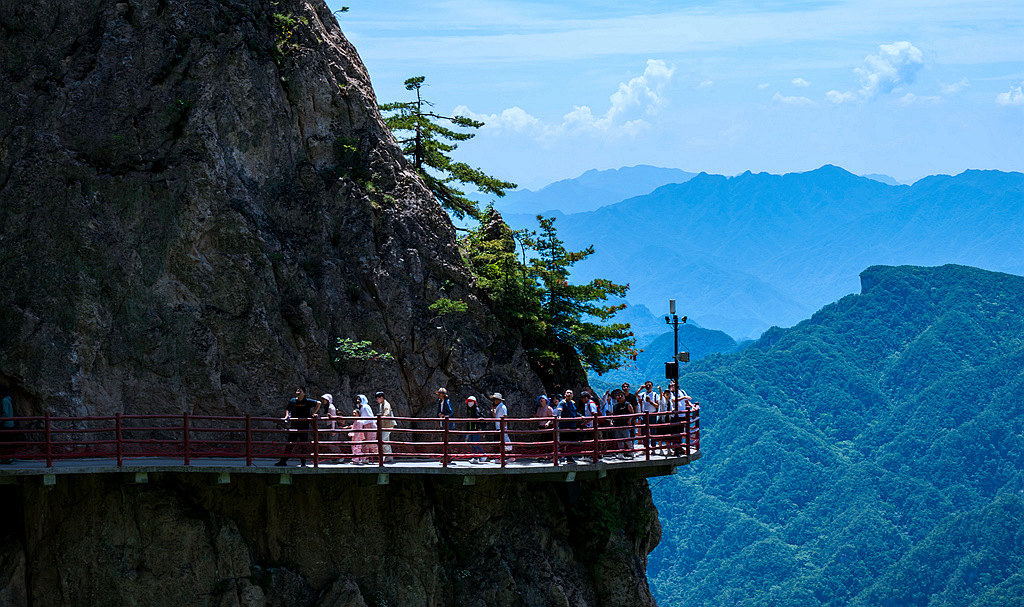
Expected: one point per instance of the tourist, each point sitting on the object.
(475, 413)
(327, 402)
(500, 412)
(589, 408)
(545, 422)
(567, 425)
(649, 407)
(387, 422)
(369, 429)
(297, 415)
(356, 435)
(444, 407)
(623, 410)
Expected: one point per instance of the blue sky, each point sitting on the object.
(906, 88)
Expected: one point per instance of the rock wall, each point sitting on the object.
(197, 197)
(325, 541)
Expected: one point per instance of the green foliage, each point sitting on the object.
(526, 277)
(349, 349)
(568, 309)
(873, 454)
(428, 143)
(444, 306)
(285, 27)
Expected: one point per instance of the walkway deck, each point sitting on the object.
(658, 465)
(644, 445)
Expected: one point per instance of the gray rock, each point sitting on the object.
(191, 214)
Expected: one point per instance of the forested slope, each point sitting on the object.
(872, 455)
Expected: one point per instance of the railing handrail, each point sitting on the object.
(445, 439)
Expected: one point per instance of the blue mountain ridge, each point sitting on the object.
(591, 190)
(746, 252)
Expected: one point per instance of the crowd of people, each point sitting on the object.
(569, 413)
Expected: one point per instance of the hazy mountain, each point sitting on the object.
(650, 362)
(871, 455)
(591, 190)
(887, 180)
(755, 250)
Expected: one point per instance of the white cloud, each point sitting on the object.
(894, 64)
(837, 97)
(642, 95)
(780, 98)
(706, 84)
(956, 87)
(1015, 96)
(800, 82)
(912, 99)
(764, 85)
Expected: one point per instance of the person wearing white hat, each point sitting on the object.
(500, 411)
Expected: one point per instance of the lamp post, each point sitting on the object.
(672, 368)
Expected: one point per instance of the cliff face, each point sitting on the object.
(326, 541)
(198, 197)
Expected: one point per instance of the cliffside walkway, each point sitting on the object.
(646, 444)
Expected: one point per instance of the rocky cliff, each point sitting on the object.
(325, 541)
(198, 198)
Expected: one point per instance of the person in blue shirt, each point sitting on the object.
(567, 424)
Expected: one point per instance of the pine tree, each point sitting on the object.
(555, 318)
(427, 144)
(568, 307)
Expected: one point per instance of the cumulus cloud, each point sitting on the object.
(642, 95)
(514, 119)
(800, 82)
(837, 97)
(893, 65)
(1015, 96)
(780, 98)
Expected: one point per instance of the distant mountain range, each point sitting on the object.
(871, 455)
(744, 253)
(590, 191)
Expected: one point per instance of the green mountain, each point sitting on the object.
(871, 455)
(650, 363)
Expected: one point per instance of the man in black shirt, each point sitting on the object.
(299, 412)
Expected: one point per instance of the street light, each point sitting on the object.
(672, 367)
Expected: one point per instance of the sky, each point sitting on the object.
(906, 88)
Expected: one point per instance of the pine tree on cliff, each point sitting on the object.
(535, 295)
(568, 308)
(427, 143)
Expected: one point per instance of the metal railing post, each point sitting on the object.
(647, 435)
(46, 434)
(502, 440)
(686, 431)
(380, 441)
(117, 440)
(597, 438)
(184, 439)
(316, 441)
(556, 443)
(248, 439)
(444, 447)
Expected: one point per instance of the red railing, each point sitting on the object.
(329, 440)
